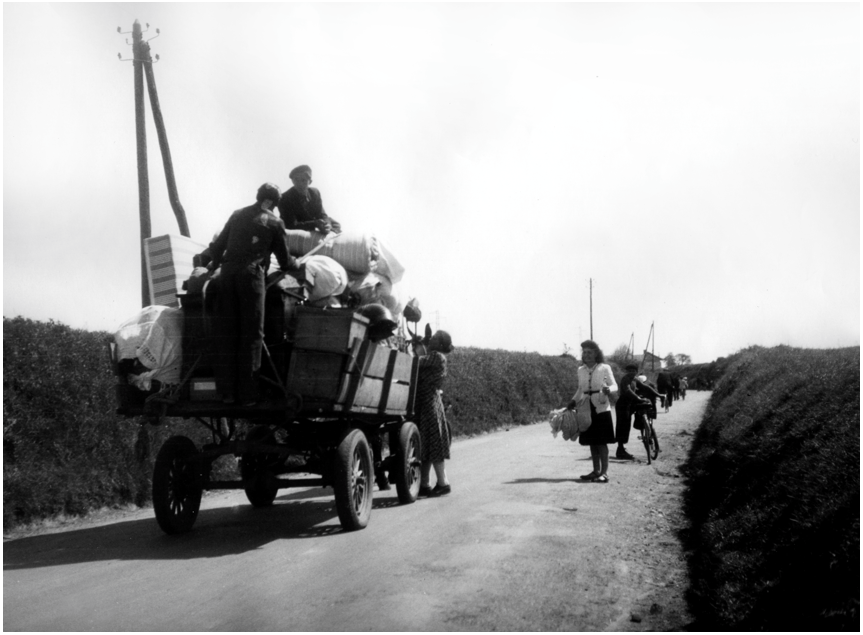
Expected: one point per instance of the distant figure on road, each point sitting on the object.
(649, 392)
(675, 386)
(684, 384)
(431, 417)
(595, 384)
(624, 409)
(301, 207)
(633, 397)
(663, 385)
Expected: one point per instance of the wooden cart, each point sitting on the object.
(333, 399)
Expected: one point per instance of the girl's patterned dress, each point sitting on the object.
(431, 418)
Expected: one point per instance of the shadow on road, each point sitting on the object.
(522, 481)
(217, 532)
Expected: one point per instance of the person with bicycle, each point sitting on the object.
(625, 407)
(647, 407)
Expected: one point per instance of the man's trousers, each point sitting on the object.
(239, 330)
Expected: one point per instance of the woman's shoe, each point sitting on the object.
(588, 477)
(602, 478)
(440, 490)
(425, 490)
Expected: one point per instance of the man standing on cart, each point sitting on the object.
(243, 250)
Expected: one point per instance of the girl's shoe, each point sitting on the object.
(440, 490)
(602, 478)
(588, 477)
(425, 490)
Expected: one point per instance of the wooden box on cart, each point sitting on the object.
(335, 368)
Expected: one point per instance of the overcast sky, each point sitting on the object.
(699, 162)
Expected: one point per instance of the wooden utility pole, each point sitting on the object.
(174, 197)
(591, 308)
(143, 64)
(141, 136)
(652, 356)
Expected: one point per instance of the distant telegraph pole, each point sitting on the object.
(143, 64)
(591, 308)
(650, 338)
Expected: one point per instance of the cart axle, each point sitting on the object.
(281, 483)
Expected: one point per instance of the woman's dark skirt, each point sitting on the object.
(601, 428)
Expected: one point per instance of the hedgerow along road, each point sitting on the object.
(520, 544)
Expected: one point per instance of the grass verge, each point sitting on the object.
(774, 492)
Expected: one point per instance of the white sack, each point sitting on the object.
(391, 297)
(367, 286)
(353, 251)
(155, 338)
(387, 265)
(373, 288)
(327, 277)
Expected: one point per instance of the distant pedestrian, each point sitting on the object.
(675, 386)
(595, 385)
(663, 385)
(684, 385)
(434, 428)
(624, 409)
(634, 397)
(650, 394)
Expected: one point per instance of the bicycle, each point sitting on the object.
(645, 416)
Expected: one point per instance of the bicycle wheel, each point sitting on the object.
(646, 436)
(654, 442)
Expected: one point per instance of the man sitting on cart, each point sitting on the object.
(243, 250)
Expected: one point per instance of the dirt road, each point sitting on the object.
(520, 545)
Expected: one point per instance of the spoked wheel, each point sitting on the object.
(177, 485)
(258, 471)
(654, 442)
(407, 468)
(354, 479)
(651, 445)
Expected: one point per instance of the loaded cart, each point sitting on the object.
(336, 397)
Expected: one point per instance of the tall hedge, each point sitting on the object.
(66, 451)
(774, 494)
(486, 389)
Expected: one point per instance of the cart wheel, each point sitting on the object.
(177, 485)
(407, 469)
(257, 471)
(354, 479)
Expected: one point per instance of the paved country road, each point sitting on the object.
(520, 545)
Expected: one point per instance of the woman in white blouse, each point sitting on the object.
(595, 384)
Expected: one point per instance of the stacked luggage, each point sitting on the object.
(345, 274)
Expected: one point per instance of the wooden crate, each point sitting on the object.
(379, 358)
(318, 376)
(369, 379)
(328, 330)
(384, 381)
(168, 262)
(369, 397)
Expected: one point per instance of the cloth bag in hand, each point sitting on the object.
(582, 414)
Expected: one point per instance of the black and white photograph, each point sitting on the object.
(431, 316)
